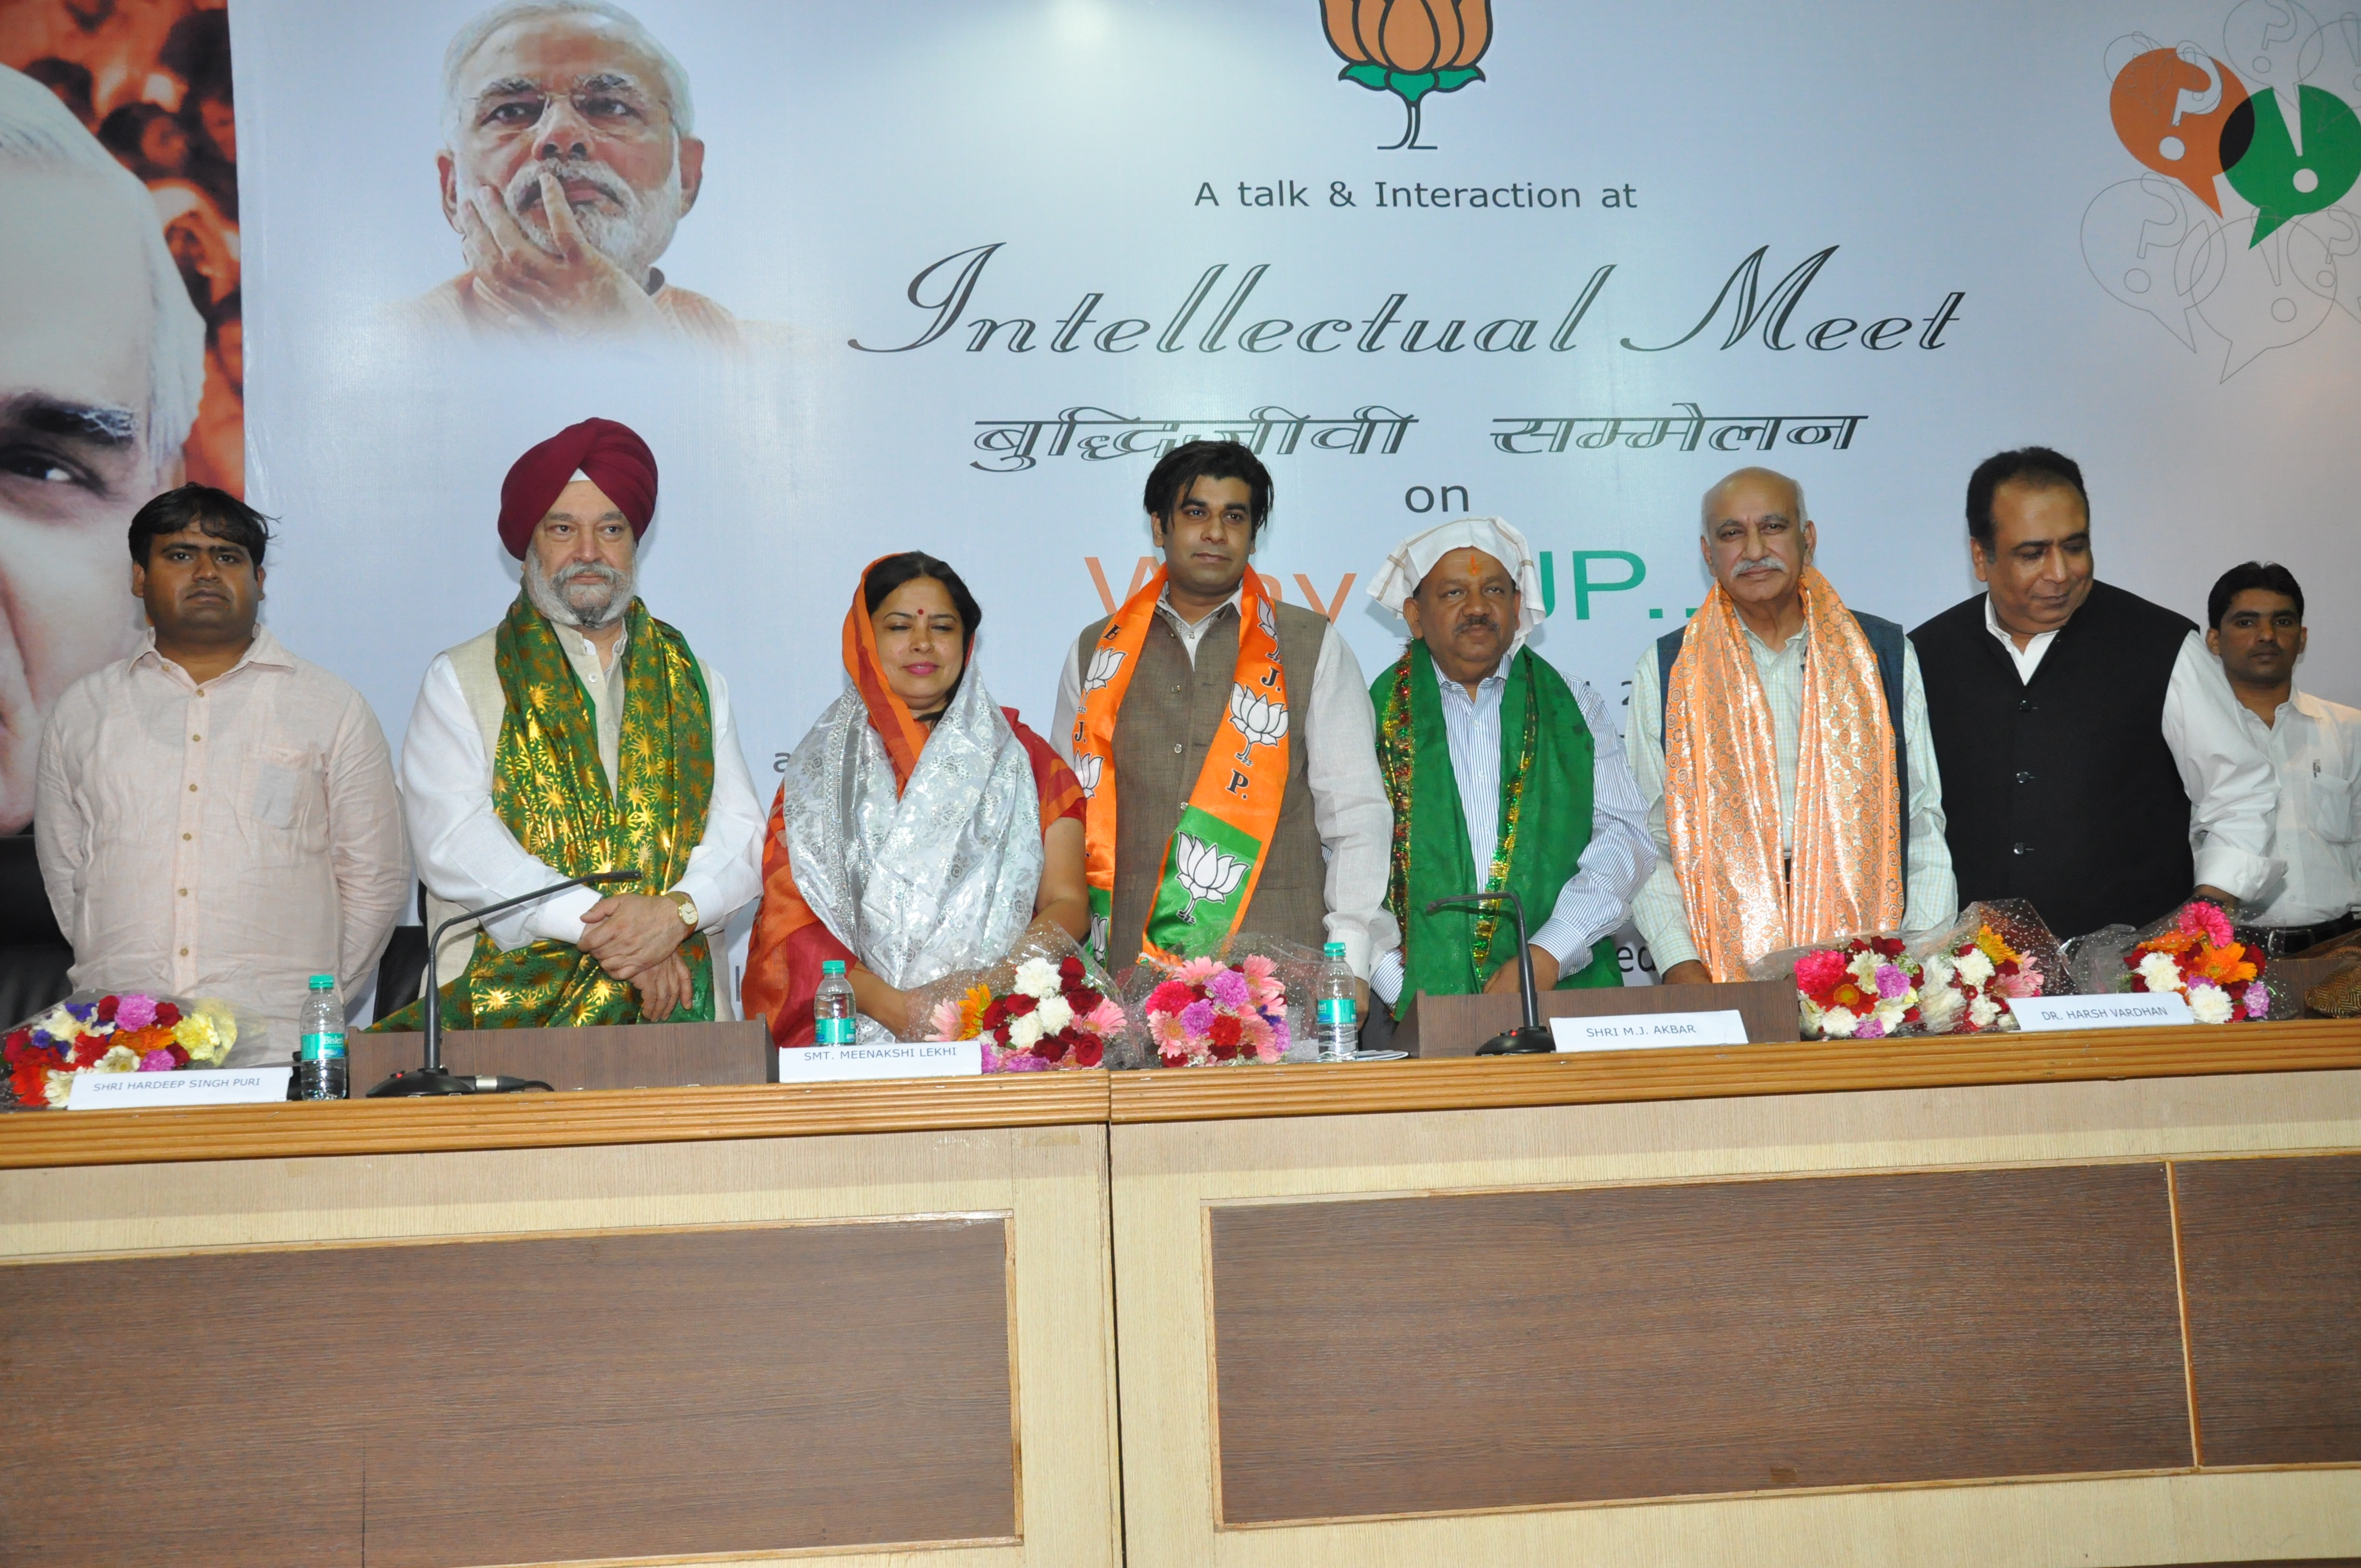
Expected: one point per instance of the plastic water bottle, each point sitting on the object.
(834, 1023)
(1340, 1024)
(320, 1066)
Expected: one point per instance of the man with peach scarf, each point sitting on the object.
(1787, 804)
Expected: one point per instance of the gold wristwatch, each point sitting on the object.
(687, 905)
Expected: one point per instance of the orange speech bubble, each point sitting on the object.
(2168, 110)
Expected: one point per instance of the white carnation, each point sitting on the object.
(1838, 1023)
(1055, 1013)
(1026, 1033)
(2210, 1003)
(1865, 969)
(1941, 1005)
(2160, 972)
(1982, 1011)
(1975, 967)
(1038, 978)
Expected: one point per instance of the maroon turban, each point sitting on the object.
(612, 457)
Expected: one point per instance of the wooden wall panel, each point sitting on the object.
(2272, 1254)
(1519, 1349)
(512, 1401)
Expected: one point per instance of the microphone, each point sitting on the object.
(431, 1079)
(1531, 1039)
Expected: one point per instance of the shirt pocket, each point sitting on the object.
(2332, 807)
(290, 796)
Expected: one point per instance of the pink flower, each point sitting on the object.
(1892, 983)
(1260, 1037)
(1870, 1027)
(156, 1061)
(1262, 979)
(2257, 1000)
(1228, 988)
(1106, 1017)
(2202, 919)
(1197, 972)
(1165, 1029)
(1197, 1017)
(1819, 973)
(136, 1012)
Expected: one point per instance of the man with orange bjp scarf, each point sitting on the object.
(1780, 741)
(920, 829)
(1236, 733)
(579, 735)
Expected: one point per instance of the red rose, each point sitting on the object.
(1169, 997)
(1020, 1005)
(1222, 1052)
(106, 1006)
(1225, 1031)
(18, 1040)
(1000, 1037)
(1052, 1048)
(180, 1057)
(166, 1015)
(997, 1013)
(1090, 1052)
(1069, 970)
(1174, 1057)
(1084, 1001)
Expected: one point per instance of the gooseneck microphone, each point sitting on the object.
(1531, 1039)
(431, 1079)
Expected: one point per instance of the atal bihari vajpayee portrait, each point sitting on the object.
(101, 365)
(570, 157)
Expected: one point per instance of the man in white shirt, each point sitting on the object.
(1531, 796)
(2314, 747)
(1780, 742)
(217, 817)
(2093, 759)
(580, 735)
(1245, 744)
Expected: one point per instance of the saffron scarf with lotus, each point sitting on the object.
(910, 851)
(1546, 760)
(549, 789)
(1721, 789)
(1216, 851)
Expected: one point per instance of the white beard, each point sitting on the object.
(632, 238)
(562, 607)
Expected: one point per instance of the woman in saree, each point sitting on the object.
(920, 829)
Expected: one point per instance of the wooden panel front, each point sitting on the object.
(1520, 1349)
(2271, 1254)
(511, 1401)
(1438, 1027)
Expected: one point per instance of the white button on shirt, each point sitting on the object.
(2314, 749)
(1611, 868)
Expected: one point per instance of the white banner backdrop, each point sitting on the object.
(985, 260)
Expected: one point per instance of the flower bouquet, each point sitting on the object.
(119, 1031)
(1996, 951)
(1044, 1006)
(1241, 1007)
(1863, 988)
(2192, 951)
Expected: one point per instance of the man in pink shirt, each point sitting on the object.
(215, 817)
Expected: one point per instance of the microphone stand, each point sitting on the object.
(431, 1079)
(1531, 1039)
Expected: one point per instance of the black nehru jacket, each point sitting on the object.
(2061, 790)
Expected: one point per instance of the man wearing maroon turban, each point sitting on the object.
(579, 735)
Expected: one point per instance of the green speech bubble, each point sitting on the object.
(2262, 163)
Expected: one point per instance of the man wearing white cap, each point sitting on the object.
(1504, 777)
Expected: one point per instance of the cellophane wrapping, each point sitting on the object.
(112, 1031)
(1996, 951)
(2192, 951)
(1863, 987)
(1045, 1005)
(1256, 1002)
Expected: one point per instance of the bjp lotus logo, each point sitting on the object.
(1259, 720)
(1410, 48)
(1205, 873)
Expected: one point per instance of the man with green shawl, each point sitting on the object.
(579, 735)
(1503, 778)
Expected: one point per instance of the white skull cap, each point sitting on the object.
(1409, 564)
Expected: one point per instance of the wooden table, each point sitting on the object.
(2020, 1299)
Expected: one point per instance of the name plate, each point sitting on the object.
(1640, 1031)
(189, 1086)
(902, 1059)
(2124, 1010)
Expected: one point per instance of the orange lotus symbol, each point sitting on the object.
(1410, 48)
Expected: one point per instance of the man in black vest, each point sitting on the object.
(2092, 757)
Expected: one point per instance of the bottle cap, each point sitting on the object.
(324, 982)
(1336, 949)
(831, 966)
